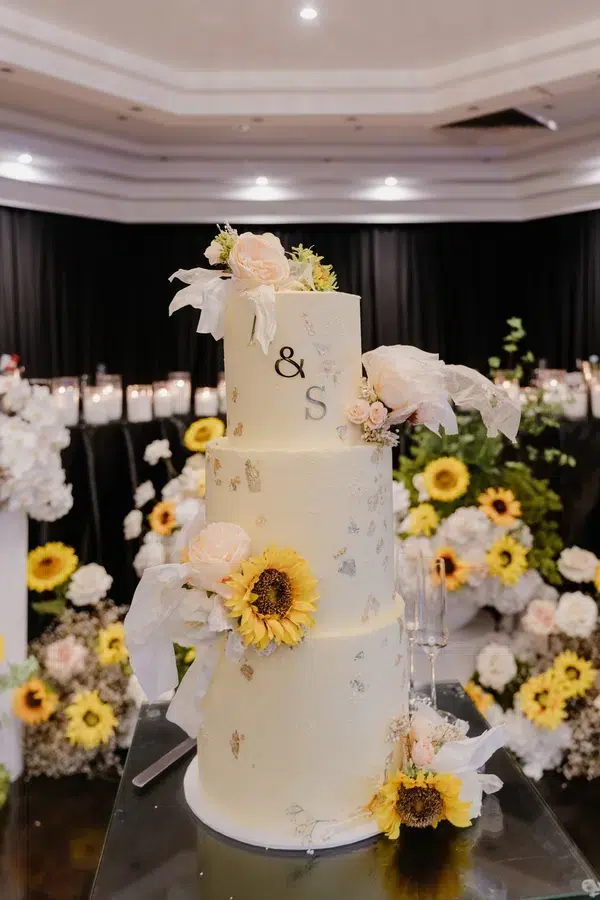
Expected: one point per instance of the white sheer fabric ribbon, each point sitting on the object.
(471, 389)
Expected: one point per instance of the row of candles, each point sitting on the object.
(573, 392)
(103, 402)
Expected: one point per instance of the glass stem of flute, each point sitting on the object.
(432, 652)
(411, 662)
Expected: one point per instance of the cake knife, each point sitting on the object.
(165, 762)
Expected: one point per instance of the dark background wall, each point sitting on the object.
(78, 292)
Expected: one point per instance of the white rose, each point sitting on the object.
(259, 259)
(88, 585)
(213, 253)
(540, 617)
(377, 414)
(65, 658)
(132, 524)
(215, 553)
(411, 383)
(151, 553)
(400, 499)
(419, 485)
(496, 666)
(467, 526)
(577, 614)
(577, 565)
(144, 493)
(156, 451)
(357, 412)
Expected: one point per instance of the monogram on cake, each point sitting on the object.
(287, 591)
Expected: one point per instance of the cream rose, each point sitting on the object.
(496, 666)
(577, 614)
(358, 411)
(259, 259)
(65, 658)
(213, 252)
(540, 617)
(577, 565)
(377, 414)
(215, 553)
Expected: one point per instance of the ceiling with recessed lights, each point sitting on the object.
(255, 112)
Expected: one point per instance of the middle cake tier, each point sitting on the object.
(333, 507)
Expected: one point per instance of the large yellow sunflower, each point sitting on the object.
(446, 479)
(273, 597)
(1, 648)
(162, 519)
(201, 432)
(420, 802)
(456, 570)
(423, 519)
(597, 579)
(111, 644)
(91, 721)
(574, 674)
(33, 702)
(507, 559)
(50, 566)
(500, 505)
(482, 700)
(543, 700)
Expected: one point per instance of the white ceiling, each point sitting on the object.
(141, 110)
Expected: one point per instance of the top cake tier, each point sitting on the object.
(295, 395)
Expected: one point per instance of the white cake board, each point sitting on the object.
(353, 833)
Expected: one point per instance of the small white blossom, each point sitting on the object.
(577, 565)
(132, 524)
(144, 493)
(496, 666)
(400, 499)
(88, 585)
(419, 485)
(151, 553)
(577, 614)
(156, 451)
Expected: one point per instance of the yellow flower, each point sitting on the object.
(543, 700)
(446, 479)
(201, 432)
(190, 656)
(574, 674)
(111, 645)
(423, 519)
(1, 648)
(482, 700)
(273, 597)
(49, 566)
(457, 570)
(500, 506)
(420, 802)
(33, 702)
(507, 559)
(162, 519)
(91, 721)
(597, 579)
(201, 483)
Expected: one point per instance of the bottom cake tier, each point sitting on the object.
(294, 745)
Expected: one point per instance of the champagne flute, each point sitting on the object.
(406, 565)
(432, 631)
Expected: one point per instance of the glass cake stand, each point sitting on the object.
(156, 849)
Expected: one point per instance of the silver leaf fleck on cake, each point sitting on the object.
(385, 524)
(247, 671)
(398, 660)
(293, 810)
(329, 367)
(384, 642)
(340, 552)
(379, 547)
(357, 686)
(234, 482)
(386, 562)
(218, 482)
(401, 627)
(371, 529)
(373, 501)
(377, 455)
(342, 431)
(252, 477)
(260, 520)
(353, 527)
(322, 349)
(239, 429)
(360, 655)
(309, 325)
(235, 743)
(371, 608)
(234, 395)
(348, 567)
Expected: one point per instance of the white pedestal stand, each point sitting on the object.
(13, 627)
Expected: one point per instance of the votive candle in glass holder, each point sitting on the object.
(66, 394)
(222, 393)
(95, 407)
(112, 388)
(508, 383)
(163, 399)
(575, 403)
(180, 385)
(139, 402)
(206, 401)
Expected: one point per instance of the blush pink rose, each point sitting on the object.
(422, 753)
(377, 414)
(358, 411)
(540, 617)
(215, 553)
(259, 259)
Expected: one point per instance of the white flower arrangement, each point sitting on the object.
(32, 436)
(157, 450)
(88, 585)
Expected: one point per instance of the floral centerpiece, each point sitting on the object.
(540, 681)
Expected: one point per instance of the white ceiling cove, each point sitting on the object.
(146, 111)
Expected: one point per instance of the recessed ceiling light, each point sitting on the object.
(390, 181)
(25, 158)
(262, 180)
(309, 12)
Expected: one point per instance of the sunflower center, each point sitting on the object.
(572, 673)
(273, 593)
(445, 479)
(114, 643)
(542, 699)
(449, 565)
(202, 433)
(500, 506)
(48, 566)
(419, 807)
(91, 719)
(165, 516)
(506, 558)
(33, 700)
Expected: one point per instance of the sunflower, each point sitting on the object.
(597, 579)
(201, 432)
(111, 644)
(500, 506)
(446, 479)
(162, 519)
(190, 656)
(507, 559)
(49, 566)
(423, 519)
(482, 700)
(575, 674)
(456, 570)
(420, 802)
(201, 483)
(1, 648)
(91, 721)
(33, 702)
(273, 597)
(543, 700)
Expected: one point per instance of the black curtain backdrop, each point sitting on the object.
(78, 292)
